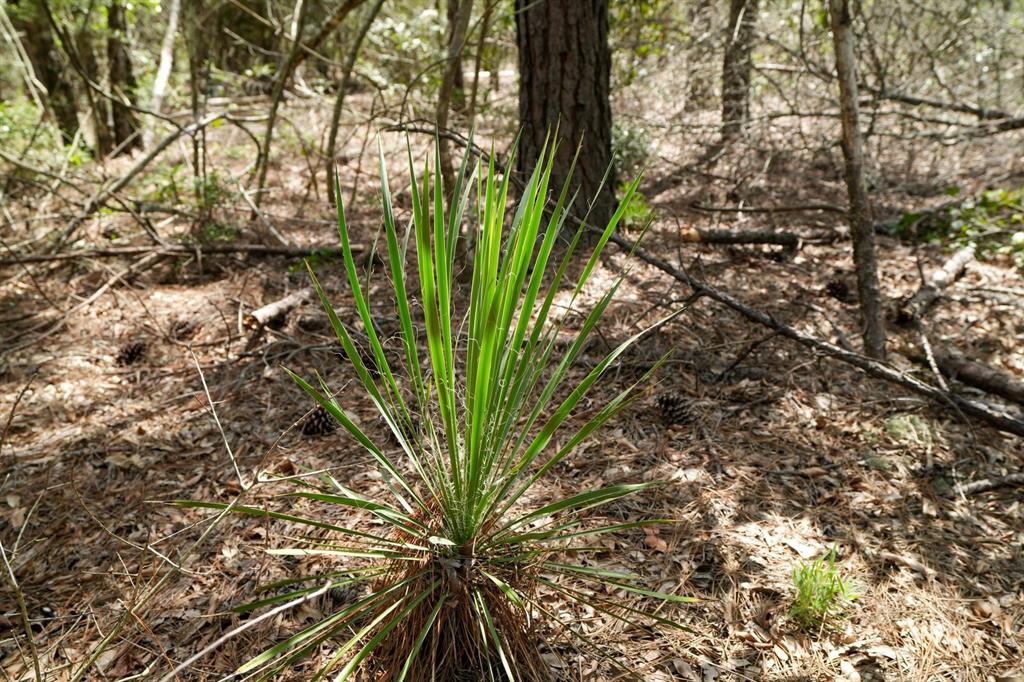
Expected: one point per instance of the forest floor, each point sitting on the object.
(769, 455)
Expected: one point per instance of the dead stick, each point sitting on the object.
(184, 249)
(700, 236)
(277, 309)
(986, 484)
(871, 367)
(978, 375)
(831, 208)
(915, 308)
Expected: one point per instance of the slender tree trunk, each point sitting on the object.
(195, 41)
(163, 71)
(564, 80)
(478, 58)
(284, 72)
(326, 29)
(122, 81)
(85, 49)
(861, 225)
(456, 10)
(736, 66)
(343, 86)
(458, 28)
(698, 89)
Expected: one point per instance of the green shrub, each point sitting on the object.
(631, 147)
(992, 220)
(638, 214)
(821, 592)
(480, 408)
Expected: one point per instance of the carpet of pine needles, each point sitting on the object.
(769, 455)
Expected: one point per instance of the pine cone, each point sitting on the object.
(674, 409)
(131, 352)
(318, 423)
(839, 290)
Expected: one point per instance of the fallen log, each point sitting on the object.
(275, 311)
(873, 368)
(988, 379)
(696, 235)
(911, 312)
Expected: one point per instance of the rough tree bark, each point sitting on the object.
(458, 29)
(564, 72)
(861, 225)
(122, 82)
(42, 52)
(736, 66)
(478, 58)
(84, 51)
(457, 11)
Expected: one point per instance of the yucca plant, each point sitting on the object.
(450, 588)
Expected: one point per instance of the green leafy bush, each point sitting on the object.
(480, 407)
(631, 147)
(821, 592)
(992, 220)
(638, 214)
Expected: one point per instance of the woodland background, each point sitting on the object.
(166, 165)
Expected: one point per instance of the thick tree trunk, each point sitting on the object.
(42, 52)
(451, 85)
(122, 82)
(861, 224)
(736, 66)
(89, 67)
(564, 72)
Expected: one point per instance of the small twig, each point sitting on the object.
(243, 627)
(216, 420)
(10, 415)
(23, 608)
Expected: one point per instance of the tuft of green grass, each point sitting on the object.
(463, 556)
(822, 594)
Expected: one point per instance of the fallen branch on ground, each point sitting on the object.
(277, 309)
(183, 249)
(874, 368)
(914, 309)
(979, 375)
(830, 208)
(700, 236)
(986, 484)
